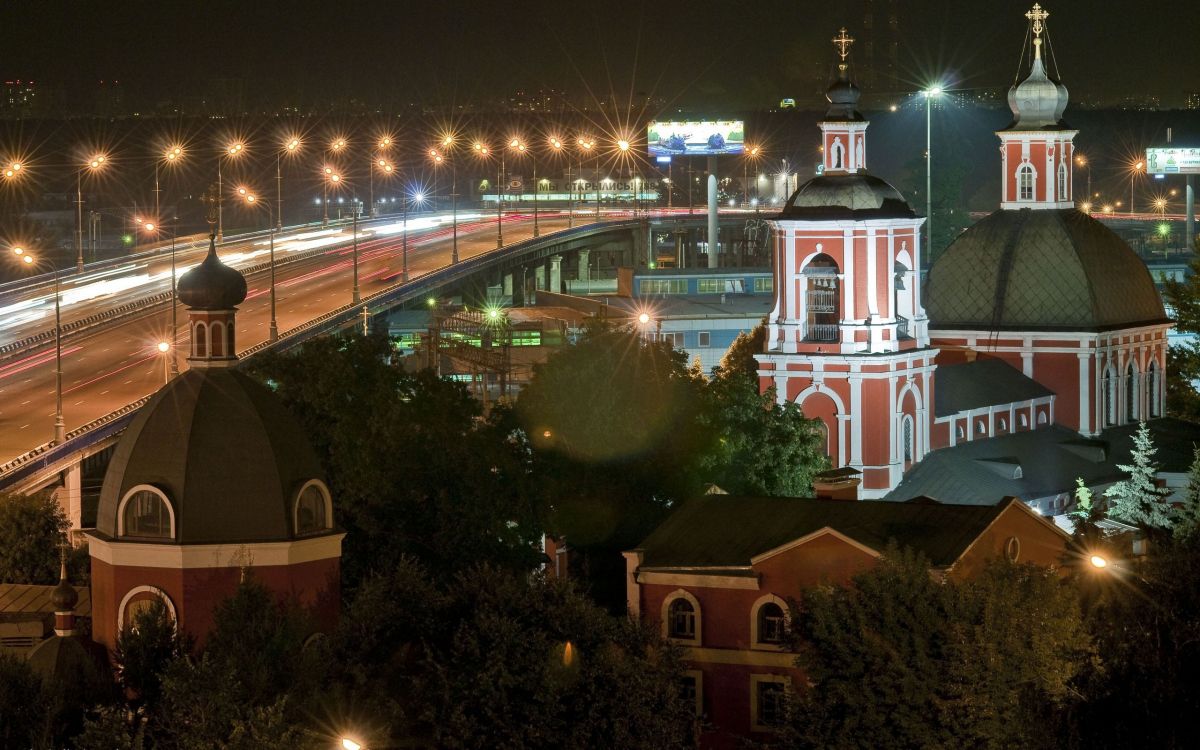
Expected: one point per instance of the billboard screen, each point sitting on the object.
(695, 138)
(1173, 160)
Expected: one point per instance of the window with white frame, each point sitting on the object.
(682, 617)
(772, 623)
(703, 339)
(1025, 182)
(146, 513)
(907, 431)
(1062, 181)
(1108, 387)
(691, 690)
(768, 701)
(1132, 406)
(1152, 388)
(313, 511)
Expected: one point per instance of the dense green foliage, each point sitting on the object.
(1137, 499)
(1183, 360)
(901, 659)
(32, 527)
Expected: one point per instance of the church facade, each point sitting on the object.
(1036, 318)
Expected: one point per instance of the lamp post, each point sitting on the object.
(587, 146)
(557, 145)
(482, 151)
(232, 151)
(448, 145)
(250, 199)
(1137, 168)
(154, 229)
(379, 161)
(171, 156)
(752, 154)
(60, 430)
(623, 147)
(930, 94)
(516, 144)
(95, 164)
(417, 198)
(1082, 161)
(291, 146)
(335, 147)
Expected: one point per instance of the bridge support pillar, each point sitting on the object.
(507, 288)
(554, 282)
(70, 495)
(714, 229)
(585, 270)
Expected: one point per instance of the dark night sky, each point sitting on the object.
(743, 54)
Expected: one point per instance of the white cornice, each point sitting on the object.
(175, 556)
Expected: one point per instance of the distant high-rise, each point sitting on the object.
(1191, 100)
(879, 39)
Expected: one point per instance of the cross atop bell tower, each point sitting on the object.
(843, 42)
(843, 128)
(1037, 17)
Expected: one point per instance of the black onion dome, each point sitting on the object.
(212, 285)
(1052, 270)
(64, 597)
(843, 98)
(846, 196)
(226, 453)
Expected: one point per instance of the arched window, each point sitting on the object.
(314, 510)
(822, 299)
(217, 331)
(139, 599)
(1062, 181)
(839, 154)
(200, 340)
(229, 350)
(1025, 182)
(960, 432)
(146, 513)
(1042, 418)
(1152, 389)
(1022, 421)
(1003, 424)
(1108, 387)
(1132, 403)
(907, 432)
(681, 617)
(822, 431)
(980, 427)
(771, 624)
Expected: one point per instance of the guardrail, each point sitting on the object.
(44, 456)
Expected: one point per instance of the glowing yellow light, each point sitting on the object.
(557, 144)
(335, 177)
(18, 250)
(349, 744)
(28, 260)
(1098, 562)
(149, 226)
(514, 143)
(448, 141)
(164, 347)
(623, 144)
(338, 144)
(293, 144)
(387, 168)
(644, 318)
(385, 142)
(235, 148)
(328, 170)
(382, 162)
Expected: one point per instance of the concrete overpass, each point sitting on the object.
(112, 368)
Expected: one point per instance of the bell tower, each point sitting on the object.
(848, 338)
(1038, 146)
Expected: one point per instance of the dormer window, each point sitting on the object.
(146, 513)
(314, 511)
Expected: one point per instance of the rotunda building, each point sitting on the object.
(212, 482)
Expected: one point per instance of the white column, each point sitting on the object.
(1085, 425)
(848, 285)
(856, 419)
(70, 495)
(872, 275)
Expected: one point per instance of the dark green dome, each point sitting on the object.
(1030, 270)
(846, 196)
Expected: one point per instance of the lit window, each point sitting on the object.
(146, 514)
(681, 619)
(312, 513)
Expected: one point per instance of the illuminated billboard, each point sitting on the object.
(1173, 160)
(696, 138)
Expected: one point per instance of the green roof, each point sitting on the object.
(727, 531)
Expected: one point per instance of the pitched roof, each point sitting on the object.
(25, 599)
(726, 531)
(984, 382)
(1050, 459)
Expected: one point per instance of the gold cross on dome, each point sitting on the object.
(843, 42)
(1037, 15)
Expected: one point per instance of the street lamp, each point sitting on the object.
(557, 145)
(930, 94)
(417, 198)
(232, 150)
(753, 153)
(482, 151)
(93, 165)
(1082, 161)
(522, 150)
(449, 142)
(13, 170)
(60, 430)
(377, 162)
(1097, 561)
(1137, 168)
(250, 199)
(587, 146)
(291, 147)
(623, 147)
(336, 146)
(349, 744)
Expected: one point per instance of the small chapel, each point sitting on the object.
(1025, 359)
(213, 483)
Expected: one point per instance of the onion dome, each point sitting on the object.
(1048, 270)
(64, 597)
(226, 455)
(212, 285)
(843, 98)
(1037, 103)
(846, 196)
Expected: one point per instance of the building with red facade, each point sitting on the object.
(1038, 329)
(717, 576)
(212, 483)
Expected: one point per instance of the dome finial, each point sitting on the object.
(843, 42)
(1037, 18)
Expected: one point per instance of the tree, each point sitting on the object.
(494, 658)
(413, 466)
(145, 651)
(22, 715)
(899, 659)
(1138, 500)
(31, 530)
(738, 362)
(1183, 360)
(1187, 516)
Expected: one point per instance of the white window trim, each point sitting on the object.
(129, 495)
(1022, 168)
(755, 679)
(162, 595)
(755, 643)
(328, 507)
(1062, 181)
(666, 620)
